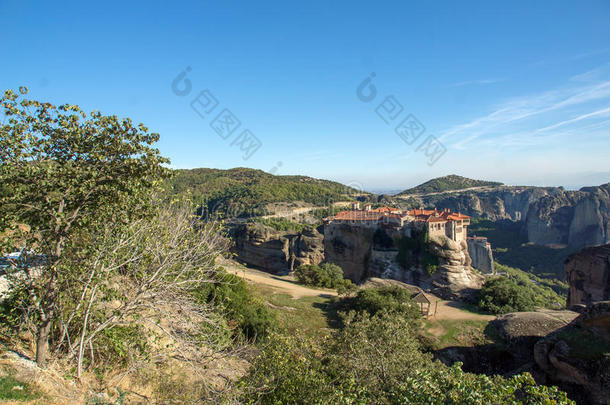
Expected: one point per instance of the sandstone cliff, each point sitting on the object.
(481, 255)
(350, 247)
(359, 252)
(277, 251)
(549, 215)
(588, 275)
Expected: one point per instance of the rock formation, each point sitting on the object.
(277, 251)
(549, 215)
(454, 277)
(588, 275)
(350, 247)
(579, 354)
(359, 253)
(481, 254)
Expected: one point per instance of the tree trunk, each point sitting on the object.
(42, 343)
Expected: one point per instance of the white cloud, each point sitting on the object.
(529, 120)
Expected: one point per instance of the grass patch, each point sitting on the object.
(447, 332)
(309, 315)
(13, 389)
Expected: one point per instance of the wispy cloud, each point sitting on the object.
(590, 53)
(528, 120)
(479, 82)
(593, 74)
(605, 112)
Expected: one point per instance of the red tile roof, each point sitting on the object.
(394, 213)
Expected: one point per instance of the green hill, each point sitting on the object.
(448, 183)
(251, 189)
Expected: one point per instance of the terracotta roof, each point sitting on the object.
(432, 218)
(388, 212)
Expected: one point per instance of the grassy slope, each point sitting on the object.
(447, 183)
(315, 316)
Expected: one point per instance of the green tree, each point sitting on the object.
(327, 275)
(377, 359)
(64, 172)
(501, 295)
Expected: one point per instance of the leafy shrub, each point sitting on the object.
(120, 343)
(501, 295)
(391, 299)
(517, 292)
(240, 305)
(376, 359)
(327, 275)
(548, 293)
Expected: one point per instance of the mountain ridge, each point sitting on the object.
(451, 182)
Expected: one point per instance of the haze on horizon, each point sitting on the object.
(516, 92)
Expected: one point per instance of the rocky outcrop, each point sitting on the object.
(277, 251)
(481, 254)
(579, 354)
(454, 278)
(520, 331)
(588, 275)
(354, 248)
(350, 247)
(549, 215)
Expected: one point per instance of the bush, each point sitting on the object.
(519, 291)
(326, 275)
(501, 295)
(376, 359)
(391, 299)
(241, 306)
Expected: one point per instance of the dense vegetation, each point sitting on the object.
(393, 299)
(415, 251)
(327, 275)
(281, 224)
(376, 359)
(516, 292)
(245, 312)
(510, 247)
(448, 183)
(243, 192)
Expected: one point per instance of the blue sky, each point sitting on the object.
(517, 92)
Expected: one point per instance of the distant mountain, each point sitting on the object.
(448, 183)
(253, 188)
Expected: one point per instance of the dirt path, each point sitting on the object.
(283, 284)
(286, 284)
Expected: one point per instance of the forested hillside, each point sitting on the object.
(250, 189)
(448, 183)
